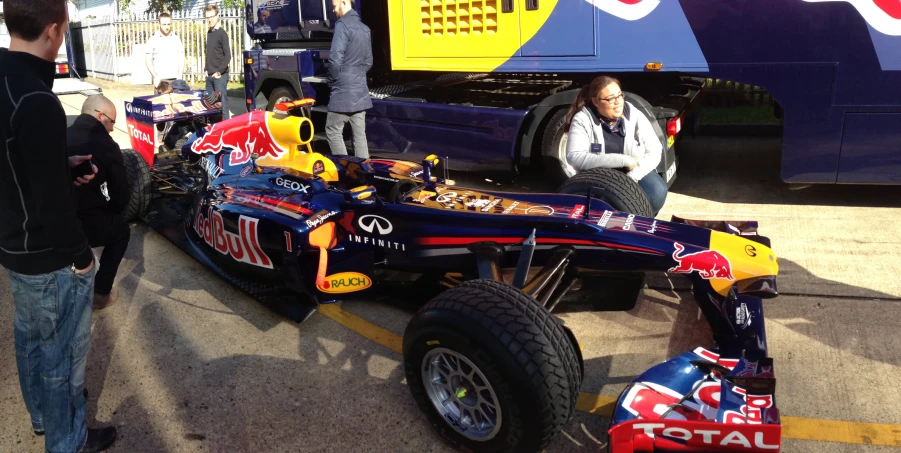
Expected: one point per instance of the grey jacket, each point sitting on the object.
(350, 58)
(586, 130)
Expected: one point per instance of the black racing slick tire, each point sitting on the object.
(138, 173)
(612, 186)
(491, 368)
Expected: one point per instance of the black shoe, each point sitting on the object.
(99, 439)
(41, 432)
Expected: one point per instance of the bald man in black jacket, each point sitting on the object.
(101, 201)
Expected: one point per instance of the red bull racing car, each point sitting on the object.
(486, 359)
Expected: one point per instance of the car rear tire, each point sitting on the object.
(138, 173)
(493, 354)
(612, 186)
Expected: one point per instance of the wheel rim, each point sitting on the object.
(568, 170)
(461, 394)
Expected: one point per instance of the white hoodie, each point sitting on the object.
(586, 130)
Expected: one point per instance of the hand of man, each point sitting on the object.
(74, 161)
(217, 75)
(634, 164)
(85, 270)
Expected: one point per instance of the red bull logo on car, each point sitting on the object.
(245, 135)
(707, 263)
(243, 246)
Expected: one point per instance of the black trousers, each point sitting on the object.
(110, 231)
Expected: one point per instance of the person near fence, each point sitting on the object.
(218, 57)
(350, 58)
(101, 201)
(165, 53)
(45, 252)
(603, 130)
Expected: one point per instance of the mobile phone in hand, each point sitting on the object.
(83, 169)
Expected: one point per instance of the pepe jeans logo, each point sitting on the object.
(371, 222)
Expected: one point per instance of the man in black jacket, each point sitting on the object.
(101, 201)
(42, 246)
(349, 59)
(218, 56)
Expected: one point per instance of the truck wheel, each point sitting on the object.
(280, 94)
(138, 173)
(613, 187)
(553, 147)
(491, 368)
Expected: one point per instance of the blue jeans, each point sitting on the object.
(220, 85)
(655, 188)
(53, 339)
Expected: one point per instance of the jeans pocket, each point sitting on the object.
(39, 296)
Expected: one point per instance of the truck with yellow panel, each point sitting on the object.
(444, 81)
(486, 83)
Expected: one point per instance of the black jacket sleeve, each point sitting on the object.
(226, 52)
(52, 187)
(116, 180)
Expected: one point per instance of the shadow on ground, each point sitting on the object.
(755, 169)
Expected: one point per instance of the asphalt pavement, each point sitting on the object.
(186, 363)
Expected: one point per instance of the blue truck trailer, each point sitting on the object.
(486, 83)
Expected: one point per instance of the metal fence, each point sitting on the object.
(112, 48)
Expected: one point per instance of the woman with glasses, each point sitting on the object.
(606, 131)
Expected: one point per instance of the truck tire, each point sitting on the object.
(503, 360)
(553, 148)
(282, 93)
(612, 186)
(138, 173)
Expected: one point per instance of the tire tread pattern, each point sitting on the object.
(138, 173)
(618, 183)
(532, 337)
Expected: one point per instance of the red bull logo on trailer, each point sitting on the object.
(882, 15)
(626, 9)
(707, 263)
(252, 133)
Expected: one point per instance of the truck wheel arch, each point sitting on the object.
(270, 80)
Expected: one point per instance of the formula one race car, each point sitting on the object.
(486, 359)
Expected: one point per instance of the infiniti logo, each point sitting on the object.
(371, 222)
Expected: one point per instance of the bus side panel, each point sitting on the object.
(477, 138)
(871, 149)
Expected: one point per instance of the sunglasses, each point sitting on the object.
(107, 116)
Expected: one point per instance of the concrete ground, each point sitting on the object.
(186, 363)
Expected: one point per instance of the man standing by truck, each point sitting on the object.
(350, 58)
(218, 56)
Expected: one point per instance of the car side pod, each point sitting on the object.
(720, 400)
